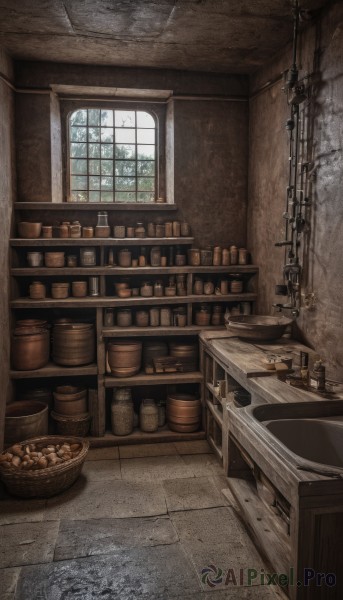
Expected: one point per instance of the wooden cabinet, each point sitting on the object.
(93, 308)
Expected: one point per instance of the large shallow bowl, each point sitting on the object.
(29, 230)
(257, 327)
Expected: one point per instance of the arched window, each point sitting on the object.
(112, 156)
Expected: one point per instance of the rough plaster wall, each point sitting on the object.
(323, 257)
(6, 199)
(211, 141)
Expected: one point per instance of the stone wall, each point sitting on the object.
(321, 50)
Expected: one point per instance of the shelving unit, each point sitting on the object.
(94, 307)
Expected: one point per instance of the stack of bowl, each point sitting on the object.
(70, 413)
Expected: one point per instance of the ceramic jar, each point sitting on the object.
(155, 256)
(176, 229)
(165, 316)
(151, 229)
(37, 290)
(88, 257)
(119, 231)
(75, 229)
(198, 287)
(236, 286)
(168, 229)
(217, 256)
(142, 318)
(158, 289)
(203, 316)
(194, 257)
(225, 257)
(79, 289)
(35, 259)
(154, 316)
(124, 317)
(208, 288)
(185, 229)
(60, 290)
(87, 232)
(54, 259)
(72, 261)
(147, 289)
(233, 255)
(206, 257)
(140, 230)
(242, 256)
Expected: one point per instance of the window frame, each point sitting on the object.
(158, 112)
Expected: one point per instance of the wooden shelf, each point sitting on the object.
(217, 415)
(139, 437)
(110, 302)
(88, 206)
(143, 379)
(54, 242)
(110, 271)
(156, 331)
(53, 370)
(210, 387)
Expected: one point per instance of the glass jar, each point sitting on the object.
(88, 257)
(242, 256)
(102, 229)
(155, 256)
(108, 318)
(148, 416)
(158, 289)
(208, 287)
(140, 230)
(122, 414)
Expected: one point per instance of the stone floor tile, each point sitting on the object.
(114, 499)
(142, 450)
(103, 536)
(210, 527)
(193, 493)
(21, 511)
(101, 470)
(195, 447)
(221, 483)
(204, 465)
(8, 582)
(234, 559)
(158, 572)
(30, 544)
(111, 453)
(155, 468)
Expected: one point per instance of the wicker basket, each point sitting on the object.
(48, 482)
(71, 425)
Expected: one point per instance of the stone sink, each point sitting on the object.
(311, 431)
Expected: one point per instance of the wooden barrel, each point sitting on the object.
(183, 412)
(30, 348)
(70, 400)
(124, 357)
(73, 344)
(25, 419)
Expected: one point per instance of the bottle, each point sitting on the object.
(317, 376)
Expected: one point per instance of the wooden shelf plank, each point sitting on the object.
(111, 271)
(54, 242)
(90, 206)
(143, 379)
(155, 331)
(139, 437)
(53, 370)
(110, 302)
(215, 413)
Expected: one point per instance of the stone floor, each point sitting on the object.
(146, 522)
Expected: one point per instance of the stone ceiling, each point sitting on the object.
(225, 36)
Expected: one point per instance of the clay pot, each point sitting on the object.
(79, 289)
(54, 259)
(73, 344)
(37, 290)
(120, 285)
(24, 420)
(124, 293)
(29, 230)
(193, 257)
(142, 318)
(60, 290)
(124, 258)
(124, 317)
(124, 357)
(35, 259)
(30, 348)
